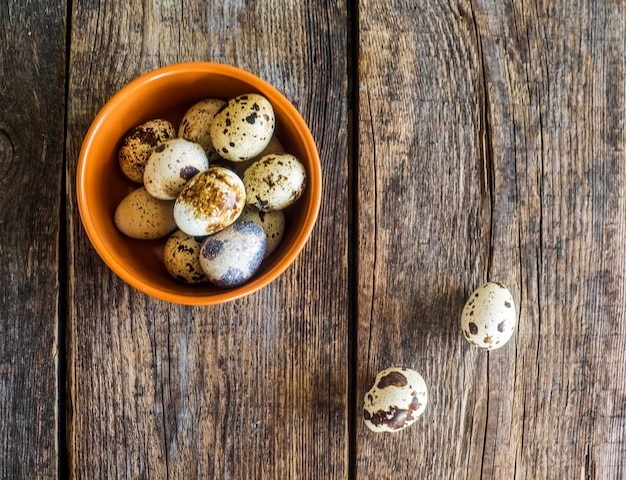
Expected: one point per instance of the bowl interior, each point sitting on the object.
(168, 93)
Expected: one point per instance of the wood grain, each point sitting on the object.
(252, 389)
(32, 86)
(491, 147)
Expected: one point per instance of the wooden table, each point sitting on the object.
(461, 141)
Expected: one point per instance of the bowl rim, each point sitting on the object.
(314, 184)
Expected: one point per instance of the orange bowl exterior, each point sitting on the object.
(100, 185)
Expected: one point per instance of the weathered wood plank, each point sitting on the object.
(424, 212)
(491, 147)
(253, 389)
(558, 147)
(32, 90)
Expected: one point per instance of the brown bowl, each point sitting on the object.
(100, 184)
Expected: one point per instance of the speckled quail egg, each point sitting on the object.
(233, 255)
(273, 223)
(138, 144)
(275, 146)
(274, 182)
(171, 165)
(399, 395)
(140, 215)
(195, 124)
(209, 202)
(243, 127)
(488, 318)
(181, 258)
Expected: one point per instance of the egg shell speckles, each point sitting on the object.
(243, 127)
(273, 223)
(397, 398)
(488, 319)
(181, 256)
(274, 182)
(195, 124)
(139, 215)
(172, 164)
(209, 202)
(138, 145)
(233, 255)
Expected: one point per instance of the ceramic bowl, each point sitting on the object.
(100, 184)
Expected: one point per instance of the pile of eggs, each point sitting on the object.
(216, 188)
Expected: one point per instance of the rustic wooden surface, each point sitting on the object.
(460, 142)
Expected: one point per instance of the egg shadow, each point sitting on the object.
(433, 320)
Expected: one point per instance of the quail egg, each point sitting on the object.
(172, 164)
(243, 127)
(140, 215)
(196, 123)
(232, 256)
(274, 182)
(209, 202)
(181, 258)
(138, 144)
(399, 395)
(488, 318)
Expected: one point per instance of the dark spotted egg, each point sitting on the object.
(488, 319)
(181, 256)
(138, 145)
(232, 256)
(398, 396)
(243, 127)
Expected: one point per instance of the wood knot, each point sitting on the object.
(7, 153)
